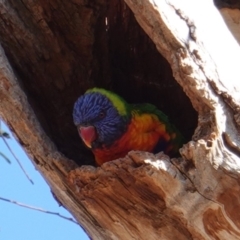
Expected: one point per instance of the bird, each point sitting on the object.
(111, 127)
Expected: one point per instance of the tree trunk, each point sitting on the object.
(185, 62)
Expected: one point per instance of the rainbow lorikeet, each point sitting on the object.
(111, 127)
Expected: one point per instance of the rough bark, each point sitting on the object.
(58, 49)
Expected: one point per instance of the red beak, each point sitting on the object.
(88, 135)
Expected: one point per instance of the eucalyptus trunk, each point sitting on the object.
(178, 55)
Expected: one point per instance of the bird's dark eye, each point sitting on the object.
(102, 114)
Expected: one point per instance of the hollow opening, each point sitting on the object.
(115, 54)
(130, 65)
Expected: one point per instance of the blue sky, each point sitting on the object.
(18, 223)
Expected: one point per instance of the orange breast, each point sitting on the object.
(143, 134)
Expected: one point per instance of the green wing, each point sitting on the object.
(150, 108)
(170, 128)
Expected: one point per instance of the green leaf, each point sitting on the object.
(4, 134)
(5, 157)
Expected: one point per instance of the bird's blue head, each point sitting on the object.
(101, 117)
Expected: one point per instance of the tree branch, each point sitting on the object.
(4, 135)
(38, 209)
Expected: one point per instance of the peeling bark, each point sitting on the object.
(143, 195)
